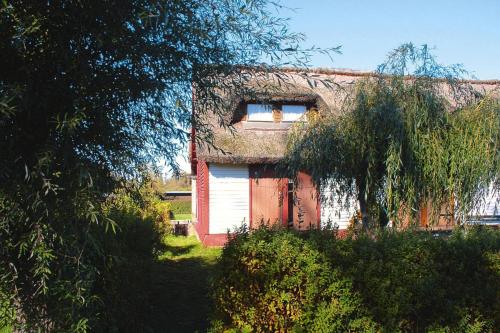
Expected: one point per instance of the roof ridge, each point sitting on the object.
(360, 73)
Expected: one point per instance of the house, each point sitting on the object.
(176, 195)
(238, 184)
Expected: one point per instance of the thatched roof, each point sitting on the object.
(252, 143)
(246, 147)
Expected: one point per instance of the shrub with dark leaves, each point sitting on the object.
(272, 280)
(279, 280)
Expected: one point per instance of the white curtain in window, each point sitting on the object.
(260, 112)
(293, 112)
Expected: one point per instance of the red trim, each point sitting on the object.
(250, 217)
(214, 240)
(202, 225)
(202, 190)
(342, 233)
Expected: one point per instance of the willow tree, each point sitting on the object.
(414, 132)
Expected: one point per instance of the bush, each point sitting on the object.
(275, 281)
(142, 204)
(124, 287)
(159, 212)
(180, 206)
(406, 281)
(413, 280)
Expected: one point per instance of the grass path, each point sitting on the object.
(182, 279)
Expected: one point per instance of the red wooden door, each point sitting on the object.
(266, 196)
(305, 204)
(276, 200)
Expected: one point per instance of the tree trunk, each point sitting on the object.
(363, 210)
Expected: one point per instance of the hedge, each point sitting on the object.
(180, 206)
(274, 281)
(125, 286)
(279, 280)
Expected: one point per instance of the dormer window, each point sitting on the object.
(276, 112)
(260, 112)
(293, 112)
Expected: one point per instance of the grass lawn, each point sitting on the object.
(182, 284)
(180, 248)
(182, 216)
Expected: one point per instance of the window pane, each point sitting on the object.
(260, 112)
(293, 112)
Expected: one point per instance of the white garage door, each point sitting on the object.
(229, 197)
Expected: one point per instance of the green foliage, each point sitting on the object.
(180, 206)
(412, 134)
(128, 259)
(411, 281)
(6, 314)
(404, 281)
(162, 212)
(5, 329)
(139, 201)
(123, 288)
(181, 182)
(89, 94)
(275, 281)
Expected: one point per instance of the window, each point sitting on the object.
(264, 112)
(293, 112)
(260, 112)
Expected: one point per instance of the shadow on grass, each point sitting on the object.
(178, 250)
(168, 293)
(181, 295)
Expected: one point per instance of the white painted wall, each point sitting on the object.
(229, 197)
(489, 208)
(333, 212)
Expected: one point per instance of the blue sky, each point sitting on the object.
(464, 32)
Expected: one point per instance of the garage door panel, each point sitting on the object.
(228, 197)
